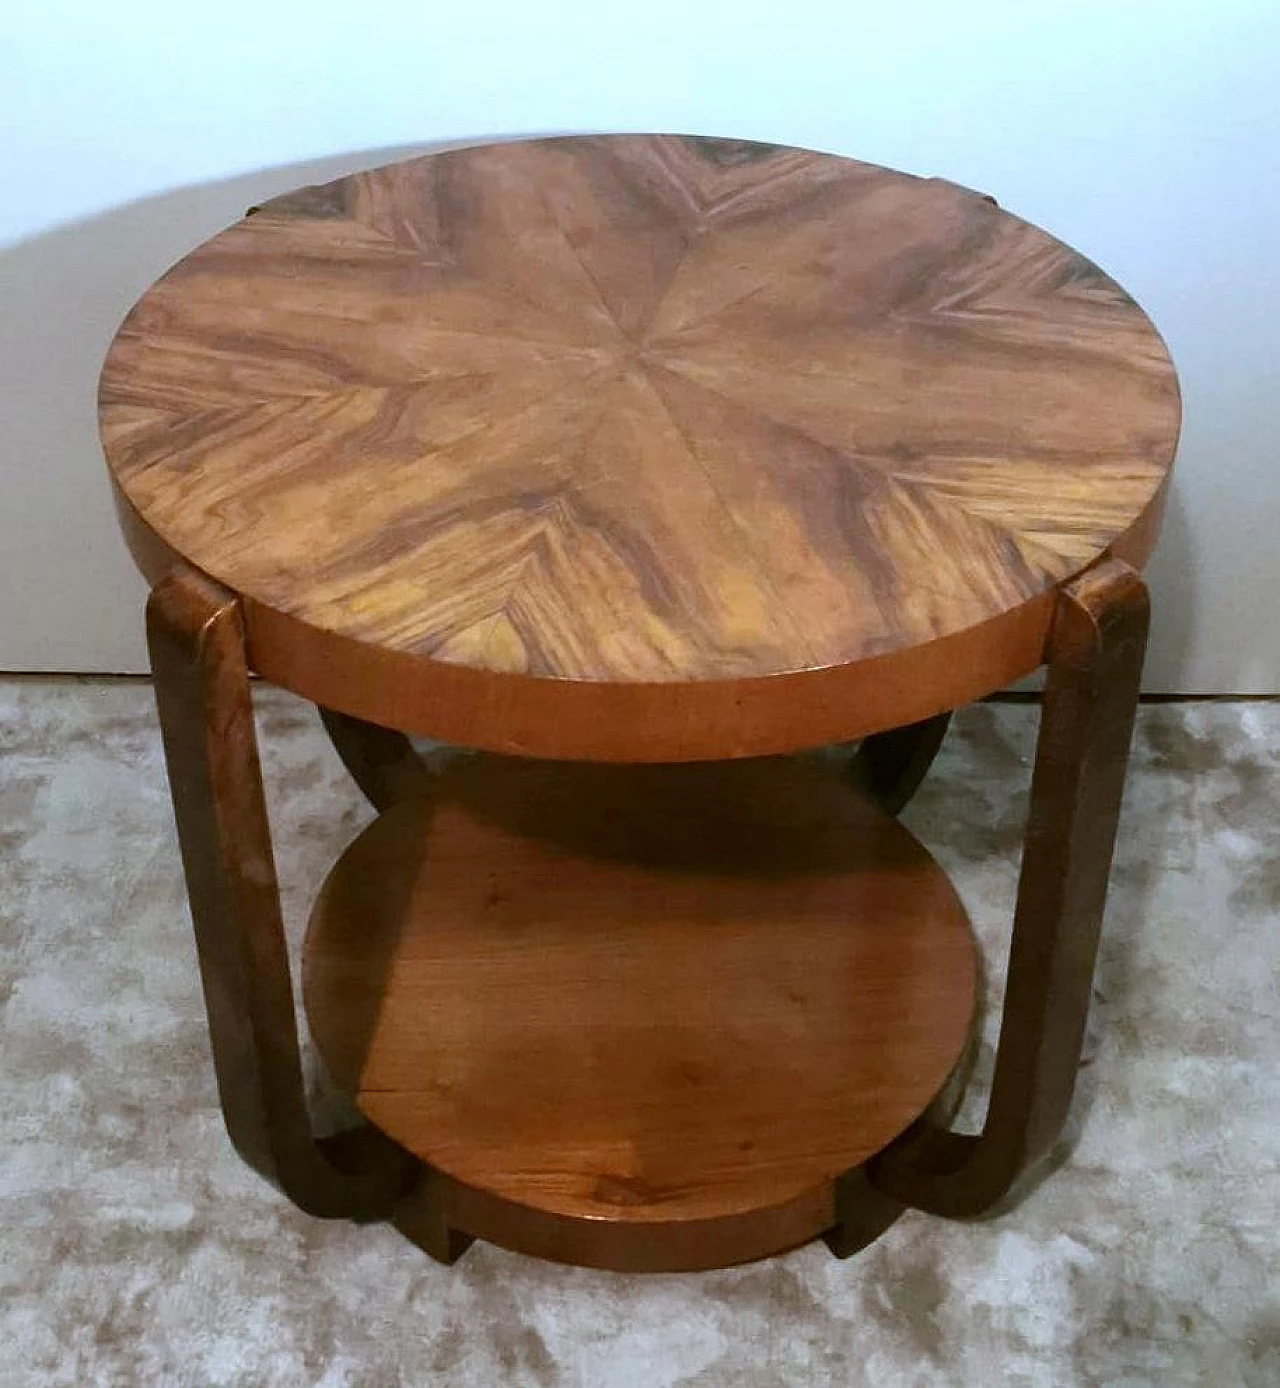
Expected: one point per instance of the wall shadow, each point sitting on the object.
(1173, 575)
(69, 598)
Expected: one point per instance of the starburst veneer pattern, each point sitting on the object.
(516, 442)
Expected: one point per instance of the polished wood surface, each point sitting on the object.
(1095, 664)
(639, 447)
(670, 997)
(206, 718)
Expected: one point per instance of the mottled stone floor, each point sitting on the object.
(135, 1249)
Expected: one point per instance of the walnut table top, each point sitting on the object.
(639, 447)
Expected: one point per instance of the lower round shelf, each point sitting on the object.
(629, 1009)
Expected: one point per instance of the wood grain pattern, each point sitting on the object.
(206, 717)
(1095, 665)
(544, 446)
(646, 996)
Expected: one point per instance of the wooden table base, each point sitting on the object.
(640, 1017)
(645, 1016)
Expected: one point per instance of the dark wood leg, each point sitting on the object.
(423, 1218)
(1094, 663)
(382, 762)
(198, 659)
(863, 1213)
(889, 767)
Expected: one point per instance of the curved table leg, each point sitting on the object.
(889, 767)
(863, 1210)
(382, 762)
(196, 638)
(1095, 661)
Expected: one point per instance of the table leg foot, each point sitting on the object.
(863, 1213)
(422, 1217)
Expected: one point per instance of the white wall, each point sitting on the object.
(1143, 133)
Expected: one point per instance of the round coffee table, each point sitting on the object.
(638, 464)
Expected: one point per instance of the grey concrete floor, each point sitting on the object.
(136, 1249)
